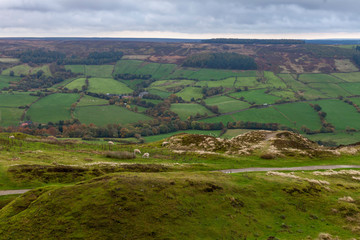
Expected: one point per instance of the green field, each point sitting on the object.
(163, 94)
(184, 110)
(16, 99)
(190, 92)
(250, 82)
(91, 101)
(52, 108)
(26, 69)
(101, 71)
(103, 115)
(318, 77)
(226, 83)
(340, 114)
(226, 104)
(77, 83)
(330, 89)
(256, 96)
(76, 68)
(273, 80)
(18, 70)
(301, 114)
(214, 133)
(262, 115)
(108, 85)
(170, 85)
(216, 74)
(5, 81)
(10, 116)
(348, 77)
(352, 88)
(127, 66)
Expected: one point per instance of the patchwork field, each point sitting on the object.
(91, 101)
(352, 88)
(319, 78)
(108, 85)
(170, 85)
(52, 108)
(77, 83)
(184, 110)
(226, 83)
(107, 115)
(348, 77)
(16, 99)
(25, 69)
(190, 92)
(255, 96)
(340, 114)
(10, 116)
(226, 104)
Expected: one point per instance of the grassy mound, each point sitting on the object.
(187, 206)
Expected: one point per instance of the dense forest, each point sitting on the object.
(220, 61)
(253, 41)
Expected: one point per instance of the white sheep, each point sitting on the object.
(137, 151)
(146, 155)
(164, 144)
(110, 143)
(11, 137)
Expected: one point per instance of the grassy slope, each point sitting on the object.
(184, 110)
(182, 206)
(226, 104)
(16, 99)
(52, 108)
(190, 92)
(108, 114)
(108, 85)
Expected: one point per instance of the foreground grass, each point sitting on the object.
(183, 206)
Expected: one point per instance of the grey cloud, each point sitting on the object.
(185, 16)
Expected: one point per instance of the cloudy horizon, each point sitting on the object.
(305, 19)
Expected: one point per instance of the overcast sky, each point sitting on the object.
(181, 18)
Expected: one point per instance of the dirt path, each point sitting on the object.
(305, 168)
(11, 192)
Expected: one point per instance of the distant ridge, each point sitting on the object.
(104, 39)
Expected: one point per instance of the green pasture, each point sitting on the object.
(226, 83)
(76, 68)
(216, 74)
(99, 71)
(163, 94)
(273, 80)
(103, 115)
(5, 81)
(190, 92)
(256, 96)
(226, 104)
(52, 108)
(184, 110)
(108, 85)
(16, 99)
(76, 83)
(157, 70)
(169, 85)
(127, 66)
(132, 83)
(352, 88)
(300, 114)
(18, 70)
(330, 89)
(318, 77)
(250, 82)
(340, 114)
(348, 77)
(10, 116)
(261, 115)
(91, 101)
